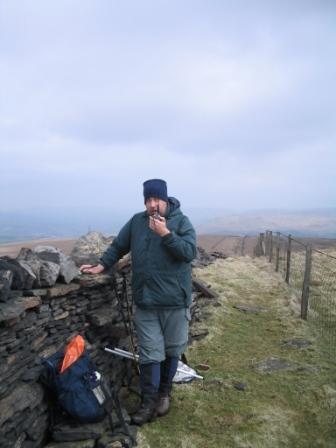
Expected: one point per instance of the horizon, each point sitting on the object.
(44, 224)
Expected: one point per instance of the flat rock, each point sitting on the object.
(11, 310)
(62, 290)
(29, 302)
(273, 364)
(240, 386)
(91, 443)
(198, 333)
(70, 433)
(297, 343)
(102, 317)
(23, 396)
(90, 281)
(250, 309)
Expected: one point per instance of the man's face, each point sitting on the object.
(156, 205)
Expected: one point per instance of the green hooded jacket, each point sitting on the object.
(161, 266)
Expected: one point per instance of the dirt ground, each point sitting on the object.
(227, 244)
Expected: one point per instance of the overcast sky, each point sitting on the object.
(232, 102)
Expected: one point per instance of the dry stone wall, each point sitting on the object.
(39, 317)
(35, 324)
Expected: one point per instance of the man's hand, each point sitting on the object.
(158, 225)
(91, 269)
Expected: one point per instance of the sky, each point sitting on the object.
(233, 103)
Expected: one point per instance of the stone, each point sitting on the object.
(102, 316)
(90, 281)
(30, 277)
(46, 272)
(49, 273)
(39, 341)
(297, 343)
(273, 364)
(199, 333)
(61, 316)
(6, 280)
(29, 302)
(91, 443)
(22, 397)
(36, 292)
(202, 258)
(81, 431)
(202, 367)
(68, 269)
(20, 275)
(36, 426)
(27, 258)
(108, 441)
(250, 309)
(89, 248)
(46, 254)
(62, 290)
(19, 441)
(240, 386)
(31, 374)
(11, 310)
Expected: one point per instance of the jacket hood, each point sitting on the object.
(173, 206)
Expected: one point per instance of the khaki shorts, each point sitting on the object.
(161, 333)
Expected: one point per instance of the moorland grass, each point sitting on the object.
(288, 408)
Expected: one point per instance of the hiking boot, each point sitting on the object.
(149, 382)
(163, 405)
(168, 370)
(145, 414)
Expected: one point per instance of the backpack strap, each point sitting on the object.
(113, 399)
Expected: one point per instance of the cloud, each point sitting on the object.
(229, 102)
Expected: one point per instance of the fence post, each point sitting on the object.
(259, 248)
(277, 253)
(271, 247)
(262, 243)
(306, 281)
(289, 253)
(266, 242)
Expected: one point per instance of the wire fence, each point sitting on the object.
(311, 277)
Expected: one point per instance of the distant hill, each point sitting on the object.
(310, 223)
(58, 223)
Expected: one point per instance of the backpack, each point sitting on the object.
(81, 391)
(78, 390)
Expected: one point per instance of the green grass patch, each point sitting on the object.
(286, 408)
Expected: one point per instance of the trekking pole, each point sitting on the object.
(129, 355)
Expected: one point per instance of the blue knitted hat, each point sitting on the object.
(155, 188)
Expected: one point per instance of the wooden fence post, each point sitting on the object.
(306, 281)
(277, 253)
(289, 253)
(262, 244)
(271, 247)
(267, 243)
(259, 248)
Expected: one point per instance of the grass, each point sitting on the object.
(289, 408)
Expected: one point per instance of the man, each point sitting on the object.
(162, 242)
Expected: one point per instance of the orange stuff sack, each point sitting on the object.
(73, 351)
